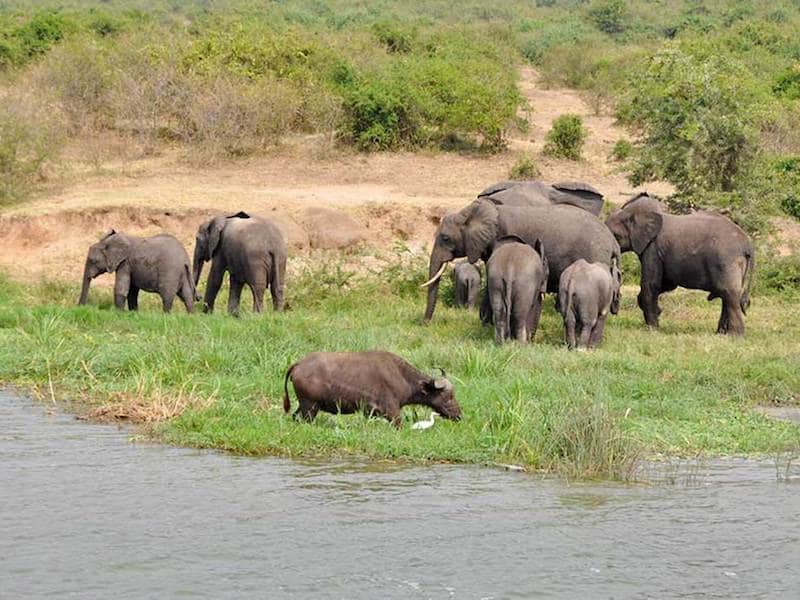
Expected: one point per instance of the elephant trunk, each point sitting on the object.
(437, 264)
(197, 265)
(87, 278)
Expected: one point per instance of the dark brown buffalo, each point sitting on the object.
(375, 382)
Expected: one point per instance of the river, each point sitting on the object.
(86, 513)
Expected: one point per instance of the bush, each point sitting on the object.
(566, 137)
(609, 15)
(29, 137)
(524, 168)
(778, 273)
(695, 119)
(791, 205)
(622, 150)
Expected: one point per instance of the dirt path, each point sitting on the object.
(397, 195)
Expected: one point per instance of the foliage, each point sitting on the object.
(524, 168)
(695, 121)
(609, 15)
(778, 273)
(566, 137)
(622, 150)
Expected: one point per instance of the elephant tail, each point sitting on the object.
(507, 302)
(286, 403)
(747, 279)
(187, 272)
(565, 299)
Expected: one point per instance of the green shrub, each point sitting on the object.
(788, 84)
(622, 150)
(609, 15)
(29, 137)
(566, 137)
(791, 205)
(778, 273)
(393, 38)
(379, 117)
(695, 117)
(524, 168)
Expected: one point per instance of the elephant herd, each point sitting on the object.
(571, 253)
(533, 238)
(252, 250)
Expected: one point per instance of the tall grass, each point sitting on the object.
(218, 380)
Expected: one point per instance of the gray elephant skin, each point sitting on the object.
(467, 284)
(537, 193)
(567, 233)
(516, 275)
(373, 382)
(155, 264)
(588, 292)
(251, 249)
(701, 251)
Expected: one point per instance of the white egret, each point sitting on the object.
(425, 424)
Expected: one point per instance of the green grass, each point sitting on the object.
(682, 390)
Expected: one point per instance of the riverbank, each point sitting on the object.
(217, 382)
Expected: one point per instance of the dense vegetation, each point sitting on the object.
(683, 390)
(711, 87)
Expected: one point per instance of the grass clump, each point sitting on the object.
(622, 150)
(218, 381)
(524, 168)
(566, 137)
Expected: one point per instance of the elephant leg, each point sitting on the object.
(534, 315)
(597, 332)
(212, 286)
(500, 317)
(652, 273)
(186, 294)
(486, 313)
(731, 320)
(521, 321)
(133, 298)
(167, 298)
(122, 285)
(235, 295)
(585, 335)
(648, 302)
(569, 330)
(277, 282)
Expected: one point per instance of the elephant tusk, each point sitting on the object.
(435, 277)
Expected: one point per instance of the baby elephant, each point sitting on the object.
(373, 382)
(587, 292)
(467, 282)
(516, 276)
(155, 264)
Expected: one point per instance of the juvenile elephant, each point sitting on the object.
(373, 382)
(516, 275)
(586, 294)
(537, 193)
(156, 264)
(567, 234)
(251, 249)
(702, 251)
(467, 283)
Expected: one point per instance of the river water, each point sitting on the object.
(85, 513)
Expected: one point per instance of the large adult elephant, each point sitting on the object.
(537, 193)
(251, 249)
(156, 264)
(567, 233)
(701, 251)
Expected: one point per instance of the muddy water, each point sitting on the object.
(85, 513)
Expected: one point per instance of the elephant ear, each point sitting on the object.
(215, 234)
(538, 245)
(239, 215)
(115, 251)
(644, 227)
(480, 228)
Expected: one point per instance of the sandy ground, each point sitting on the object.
(392, 196)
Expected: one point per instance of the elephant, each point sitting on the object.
(537, 193)
(516, 276)
(157, 264)
(644, 201)
(702, 251)
(567, 233)
(251, 249)
(586, 294)
(467, 283)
